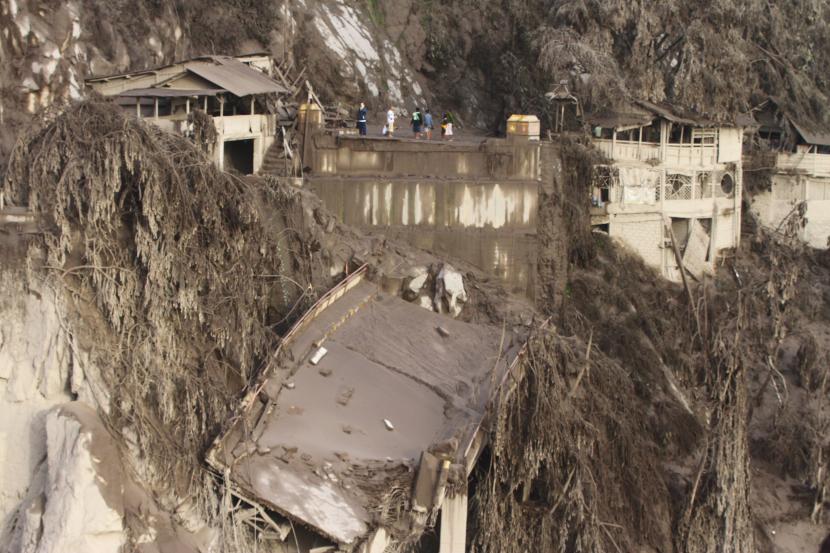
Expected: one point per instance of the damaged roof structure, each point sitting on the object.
(223, 73)
(641, 113)
(247, 97)
(796, 154)
(784, 131)
(368, 421)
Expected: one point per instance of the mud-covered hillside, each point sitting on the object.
(150, 289)
(483, 59)
(651, 417)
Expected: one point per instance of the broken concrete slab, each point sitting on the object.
(449, 291)
(390, 364)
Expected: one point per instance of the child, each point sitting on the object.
(446, 126)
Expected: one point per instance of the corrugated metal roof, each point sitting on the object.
(812, 137)
(225, 71)
(670, 113)
(771, 115)
(169, 92)
(234, 76)
(618, 119)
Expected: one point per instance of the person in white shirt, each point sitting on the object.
(390, 122)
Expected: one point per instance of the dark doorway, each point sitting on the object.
(239, 156)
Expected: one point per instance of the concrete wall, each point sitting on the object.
(642, 233)
(488, 159)
(491, 225)
(787, 191)
(471, 200)
(429, 202)
(256, 127)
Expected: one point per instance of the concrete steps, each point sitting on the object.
(273, 163)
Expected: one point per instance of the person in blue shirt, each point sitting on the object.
(428, 124)
(361, 120)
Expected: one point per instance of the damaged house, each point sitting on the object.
(798, 156)
(239, 94)
(671, 189)
(361, 434)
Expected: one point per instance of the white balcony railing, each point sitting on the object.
(676, 155)
(646, 185)
(811, 164)
(681, 155)
(227, 126)
(628, 151)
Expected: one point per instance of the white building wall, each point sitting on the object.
(787, 192)
(817, 230)
(724, 231)
(642, 233)
(640, 223)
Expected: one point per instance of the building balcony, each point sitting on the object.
(674, 155)
(810, 164)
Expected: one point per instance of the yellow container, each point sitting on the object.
(312, 112)
(524, 127)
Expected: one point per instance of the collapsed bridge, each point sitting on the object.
(369, 420)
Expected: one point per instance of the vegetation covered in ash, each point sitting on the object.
(718, 57)
(180, 277)
(647, 408)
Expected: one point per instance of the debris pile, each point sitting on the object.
(361, 389)
(179, 282)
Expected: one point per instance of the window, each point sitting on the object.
(651, 134)
(678, 187)
(604, 133)
(727, 185)
(706, 137)
(605, 178)
(680, 134)
(629, 135)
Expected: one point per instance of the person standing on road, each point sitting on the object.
(361, 120)
(446, 126)
(428, 124)
(416, 123)
(390, 122)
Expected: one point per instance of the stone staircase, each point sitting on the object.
(274, 163)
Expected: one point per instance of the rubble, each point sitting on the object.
(82, 499)
(449, 291)
(393, 361)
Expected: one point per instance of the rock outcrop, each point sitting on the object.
(35, 366)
